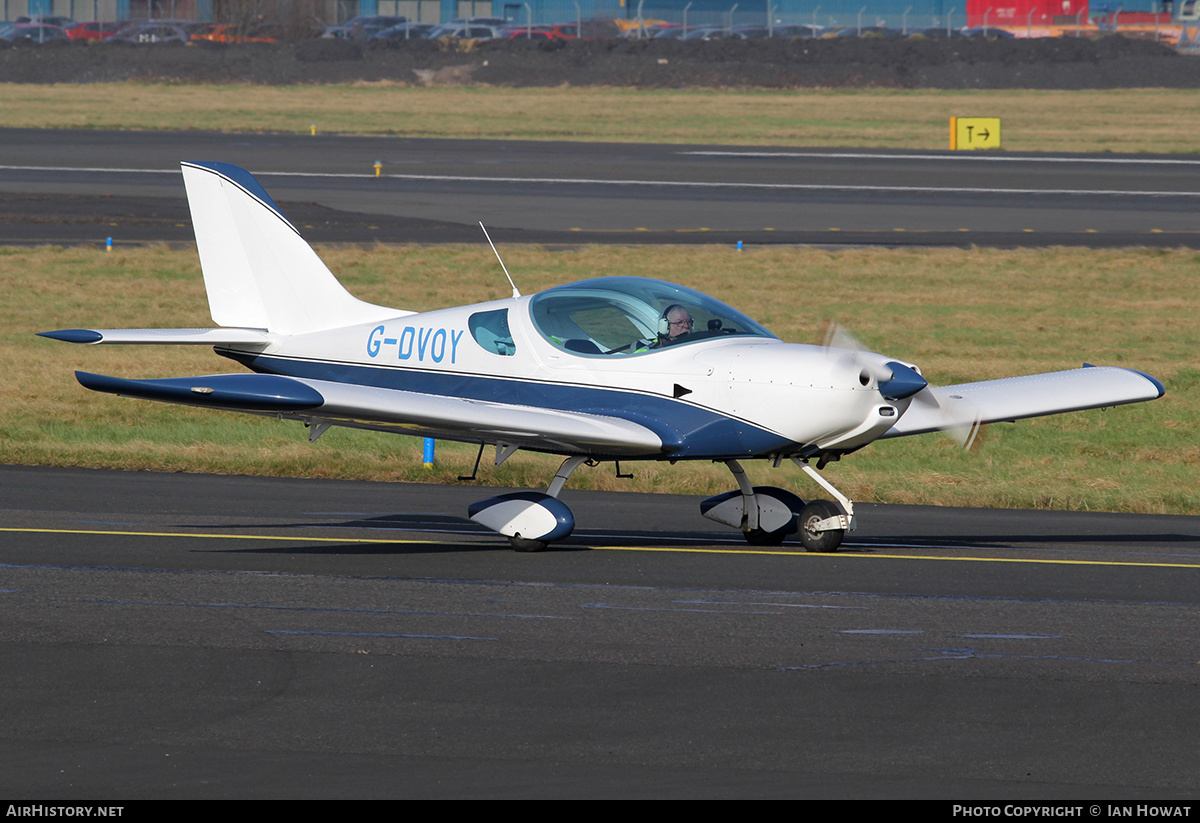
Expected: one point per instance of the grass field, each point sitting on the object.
(1115, 120)
(962, 315)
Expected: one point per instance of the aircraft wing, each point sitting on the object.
(369, 407)
(993, 401)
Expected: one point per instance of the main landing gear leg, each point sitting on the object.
(564, 473)
(824, 524)
(530, 520)
(765, 514)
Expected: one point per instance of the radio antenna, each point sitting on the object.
(506, 274)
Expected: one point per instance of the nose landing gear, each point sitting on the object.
(766, 515)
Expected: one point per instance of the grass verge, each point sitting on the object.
(1112, 120)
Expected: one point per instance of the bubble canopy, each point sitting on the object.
(624, 316)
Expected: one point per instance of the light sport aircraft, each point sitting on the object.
(592, 370)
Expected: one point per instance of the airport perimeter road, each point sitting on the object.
(199, 636)
(81, 186)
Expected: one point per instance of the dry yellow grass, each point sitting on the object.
(1114, 120)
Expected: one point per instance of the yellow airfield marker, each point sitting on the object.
(971, 133)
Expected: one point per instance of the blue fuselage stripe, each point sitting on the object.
(686, 430)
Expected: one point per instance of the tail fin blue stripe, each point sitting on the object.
(243, 180)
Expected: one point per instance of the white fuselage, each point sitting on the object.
(791, 397)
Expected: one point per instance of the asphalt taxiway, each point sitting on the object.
(199, 636)
(69, 186)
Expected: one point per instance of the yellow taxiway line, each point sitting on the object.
(681, 549)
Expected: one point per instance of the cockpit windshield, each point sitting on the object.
(622, 316)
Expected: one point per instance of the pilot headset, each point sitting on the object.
(664, 325)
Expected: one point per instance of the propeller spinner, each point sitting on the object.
(958, 418)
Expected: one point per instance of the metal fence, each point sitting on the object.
(825, 13)
(903, 15)
(897, 14)
(695, 13)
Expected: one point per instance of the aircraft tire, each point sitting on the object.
(522, 544)
(761, 537)
(815, 541)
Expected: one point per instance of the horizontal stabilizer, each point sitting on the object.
(162, 337)
(1016, 398)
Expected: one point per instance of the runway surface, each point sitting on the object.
(198, 636)
(84, 186)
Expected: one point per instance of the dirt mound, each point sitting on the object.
(960, 63)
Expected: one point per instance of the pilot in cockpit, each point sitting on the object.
(676, 322)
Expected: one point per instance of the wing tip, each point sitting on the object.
(1154, 381)
(232, 392)
(73, 335)
(95, 382)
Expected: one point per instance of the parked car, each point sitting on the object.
(871, 32)
(672, 31)
(46, 20)
(468, 32)
(527, 33)
(991, 33)
(596, 29)
(725, 33)
(406, 31)
(803, 30)
(364, 27)
(752, 32)
(498, 22)
(34, 33)
(695, 32)
(647, 30)
(228, 33)
(567, 31)
(936, 33)
(92, 30)
(155, 31)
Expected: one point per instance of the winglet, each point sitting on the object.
(1154, 380)
(1161, 388)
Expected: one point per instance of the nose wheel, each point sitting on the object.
(820, 529)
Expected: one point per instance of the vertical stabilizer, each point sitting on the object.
(258, 271)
